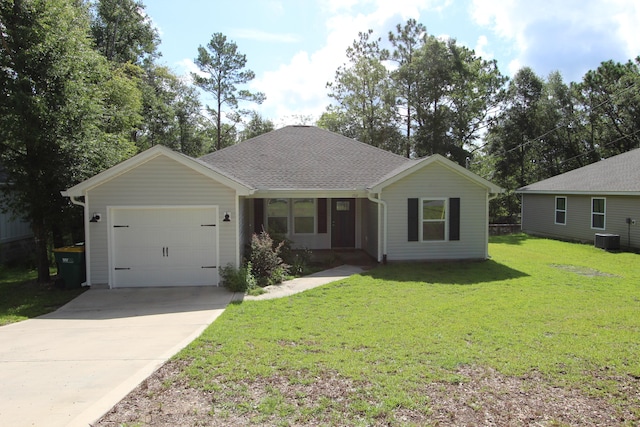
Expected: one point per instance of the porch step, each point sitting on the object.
(342, 256)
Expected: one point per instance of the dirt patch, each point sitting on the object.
(481, 397)
(582, 271)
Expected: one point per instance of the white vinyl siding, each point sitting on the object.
(159, 182)
(434, 182)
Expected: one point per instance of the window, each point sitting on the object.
(561, 210)
(304, 216)
(598, 213)
(434, 219)
(278, 216)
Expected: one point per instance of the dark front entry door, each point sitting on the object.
(343, 223)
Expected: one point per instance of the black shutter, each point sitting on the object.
(258, 215)
(412, 220)
(322, 216)
(454, 218)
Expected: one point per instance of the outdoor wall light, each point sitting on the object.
(96, 217)
(227, 217)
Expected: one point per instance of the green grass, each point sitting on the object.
(22, 298)
(568, 312)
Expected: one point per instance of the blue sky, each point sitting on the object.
(295, 46)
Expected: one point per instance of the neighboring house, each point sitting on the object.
(601, 198)
(16, 238)
(163, 219)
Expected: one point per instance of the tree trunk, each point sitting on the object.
(42, 255)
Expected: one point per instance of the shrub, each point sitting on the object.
(300, 261)
(267, 265)
(238, 280)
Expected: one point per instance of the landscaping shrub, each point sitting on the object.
(238, 280)
(267, 265)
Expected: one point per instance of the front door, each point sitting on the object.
(343, 223)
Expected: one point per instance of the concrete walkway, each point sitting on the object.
(300, 284)
(69, 367)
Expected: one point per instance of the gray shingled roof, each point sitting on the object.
(618, 174)
(304, 157)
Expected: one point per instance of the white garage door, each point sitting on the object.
(164, 246)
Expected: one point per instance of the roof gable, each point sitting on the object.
(616, 175)
(416, 165)
(150, 154)
(305, 158)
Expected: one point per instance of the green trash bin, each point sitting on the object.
(70, 261)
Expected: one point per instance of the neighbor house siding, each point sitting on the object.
(538, 217)
(12, 228)
(437, 182)
(159, 182)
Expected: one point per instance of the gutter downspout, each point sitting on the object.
(87, 256)
(384, 224)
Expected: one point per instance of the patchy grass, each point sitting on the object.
(514, 340)
(22, 298)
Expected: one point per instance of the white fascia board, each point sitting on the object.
(579, 193)
(304, 193)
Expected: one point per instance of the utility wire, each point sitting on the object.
(620, 92)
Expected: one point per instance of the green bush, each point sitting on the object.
(300, 261)
(238, 279)
(267, 265)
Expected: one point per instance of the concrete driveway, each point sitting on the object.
(69, 367)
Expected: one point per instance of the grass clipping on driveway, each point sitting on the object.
(511, 341)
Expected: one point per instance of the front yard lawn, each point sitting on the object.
(544, 333)
(22, 298)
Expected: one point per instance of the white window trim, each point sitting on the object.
(604, 214)
(422, 221)
(315, 216)
(556, 210)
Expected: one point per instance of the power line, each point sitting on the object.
(536, 139)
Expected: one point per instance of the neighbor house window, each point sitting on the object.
(304, 211)
(598, 212)
(278, 216)
(434, 219)
(561, 210)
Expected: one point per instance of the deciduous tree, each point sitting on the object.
(50, 110)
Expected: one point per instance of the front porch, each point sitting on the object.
(339, 227)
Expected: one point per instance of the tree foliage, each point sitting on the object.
(223, 69)
(122, 31)
(440, 94)
(256, 126)
(365, 95)
(52, 133)
(406, 42)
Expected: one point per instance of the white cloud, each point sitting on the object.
(186, 66)
(571, 36)
(299, 86)
(480, 50)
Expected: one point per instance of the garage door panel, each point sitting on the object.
(164, 246)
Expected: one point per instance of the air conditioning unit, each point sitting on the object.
(609, 242)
